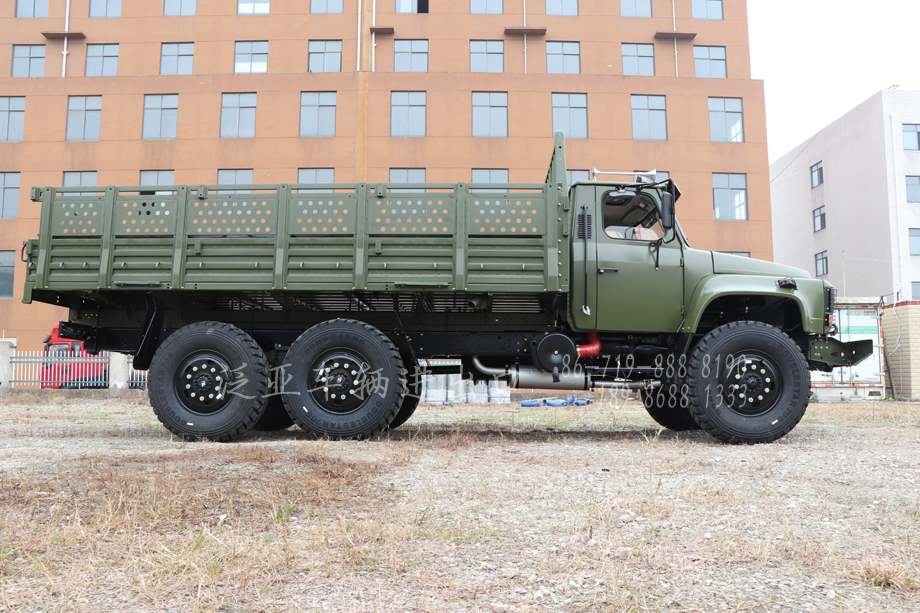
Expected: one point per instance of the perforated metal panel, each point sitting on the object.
(225, 214)
(322, 214)
(145, 215)
(416, 214)
(506, 216)
(77, 216)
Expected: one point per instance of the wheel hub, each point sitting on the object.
(340, 382)
(204, 383)
(751, 384)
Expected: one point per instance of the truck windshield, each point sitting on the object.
(636, 219)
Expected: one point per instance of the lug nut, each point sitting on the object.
(188, 387)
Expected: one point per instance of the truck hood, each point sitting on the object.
(723, 263)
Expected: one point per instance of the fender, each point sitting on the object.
(809, 297)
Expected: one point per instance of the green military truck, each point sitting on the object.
(267, 305)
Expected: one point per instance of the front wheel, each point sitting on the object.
(668, 405)
(748, 383)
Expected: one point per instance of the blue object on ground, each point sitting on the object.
(581, 403)
(555, 403)
(530, 403)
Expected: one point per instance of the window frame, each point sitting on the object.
(239, 50)
(710, 62)
(817, 174)
(407, 190)
(723, 118)
(417, 7)
(112, 9)
(821, 258)
(488, 55)
(650, 115)
(492, 114)
(35, 63)
(563, 11)
(178, 55)
(638, 59)
(702, 9)
(316, 180)
(313, 54)
(912, 185)
(563, 55)
(489, 179)
(9, 194)
(326, 11)
(635, 6)
(914, 129)
(411, 53)
(103, 66)
(731, 192)
(819, 218)
(411, 118)
(239, 116)
(486, 5)
(236, 180)
(12, 120)
(159, 182)
(913, 238)
(160, 116)
(85, 113)
(321, 116)
(255, 3)
(573, 113)
(32, 4)
(81, 176)
(7, 274)
(182, 5)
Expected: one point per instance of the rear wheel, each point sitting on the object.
(348, 380)
(208, 380)
(748, 383)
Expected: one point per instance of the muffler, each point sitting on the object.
(530, 377)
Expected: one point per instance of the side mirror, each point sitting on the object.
(667, 211)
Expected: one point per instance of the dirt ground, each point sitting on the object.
(465, 508)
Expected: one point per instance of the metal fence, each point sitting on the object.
(71, 370)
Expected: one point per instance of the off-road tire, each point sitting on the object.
(242, 402)
(669, 409)
(409, 405)
(776, 379)
(379, 383)
(275, 416)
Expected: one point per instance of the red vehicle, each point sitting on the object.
(68, 366)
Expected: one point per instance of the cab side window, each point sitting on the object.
(635, 219)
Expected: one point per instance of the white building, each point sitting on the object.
(846, 202)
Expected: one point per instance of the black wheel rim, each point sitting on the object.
(204, 382)
(341, 381)
(751, 384)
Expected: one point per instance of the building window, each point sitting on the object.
(158, 177)
(407, 175)
(411, 6)
(915, 290)
(101, 60)
(238, 116)
(325, 56)
(488, 7)
(489, 175)
(706, 9)
(9, 195)
(563, 58)
(638, 60)
(317, 114)
(709, 62)
(408, 113)
(84, 114)
(662, 175)
(490, 114)
(325, 6)
(12, 118)
(915, 241)
(740, 254)
(78, 178)
(726, 120)
(819, 218)
(234, 176)
(817, 174)
(574, 176)
(28, 61)
(635, 8)
(183, 8)
(570, 114)
(562, 7)
(487, 56)
(161, 112)
(31, 8)
(315, 175)
(253, 7)
(7, 272)
(911, 136)
(176, 58)
(251, 56)
(105, 8)
(649, 118)
(410, 56)
(821, 264)
(729, 196)
(913, 189)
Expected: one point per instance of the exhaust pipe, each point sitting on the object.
(530, 377)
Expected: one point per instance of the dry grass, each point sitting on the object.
(464, 508)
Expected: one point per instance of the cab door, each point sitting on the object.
(632, 294)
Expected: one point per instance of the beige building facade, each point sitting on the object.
(377, 91)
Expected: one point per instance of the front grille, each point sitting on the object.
(830, 300)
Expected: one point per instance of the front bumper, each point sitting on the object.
(837, 353)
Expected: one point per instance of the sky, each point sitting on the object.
(820, 58)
